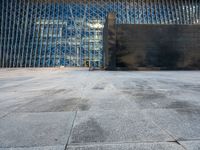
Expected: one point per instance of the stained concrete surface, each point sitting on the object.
(79, 109)
(128, 146)
(115, 126)
(191, 145)
(37, 148)
(35, 129)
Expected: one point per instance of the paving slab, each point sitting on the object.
(37, 148)
(182, 124)
(191, 145)
(8, 81)
(163, 94)
(163, 99)
(13, 100)
(115, 126)
(35, 129)
(104, 100)
(53, 100)
(133, 146)
(3, 113)
(12, 105)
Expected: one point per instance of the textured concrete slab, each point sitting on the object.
(53, 100)
(10, 81)
(164, 99)
(183, 124)
(35, 129)
(113, 108)
(134, 146)
(162, 94)
(191, 145)
(115, 126)
(13, 100)
(12, 104)
(3, 113)
(37, 148)
(103, 100)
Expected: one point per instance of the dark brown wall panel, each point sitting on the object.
(158, 47)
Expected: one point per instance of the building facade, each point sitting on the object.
(51, 33)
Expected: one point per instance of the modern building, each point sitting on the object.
(50, 33)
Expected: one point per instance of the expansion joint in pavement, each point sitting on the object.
(181, 145)
(71, 130)
(166, 131)
(170, 134)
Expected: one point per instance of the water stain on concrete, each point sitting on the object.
(149, 98)
(150, 95)
(51, 92)
(180, 104)
(182, 85)
(15, 79)
(99, 86)
(58, 101)
(89, 131)
(191, 87)
(142, 93)
(84, 107)
(64, 105)
(71, 104)
(54, 104)
(190, 113)
(4, 81)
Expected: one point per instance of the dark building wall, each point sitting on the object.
(157, 47)
(109, 42)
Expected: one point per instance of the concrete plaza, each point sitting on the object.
(77, 109)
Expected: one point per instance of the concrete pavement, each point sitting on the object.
(77, 109)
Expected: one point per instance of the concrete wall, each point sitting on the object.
(153, 47)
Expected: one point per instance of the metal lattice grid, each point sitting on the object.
(49, 33)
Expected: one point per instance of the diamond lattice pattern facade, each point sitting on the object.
(50, 33)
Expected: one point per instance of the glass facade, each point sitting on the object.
(50, 33)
